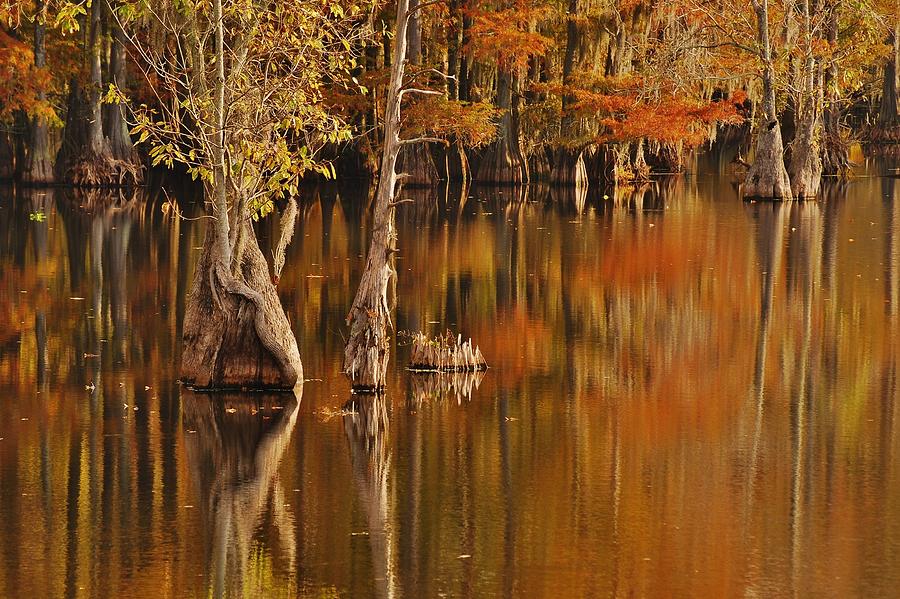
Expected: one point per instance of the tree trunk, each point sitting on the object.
(665, 158)
(96, 139)
(539, 169)
(236, 335)
(414, 34)
(414, 160)
(367, 352)
(888, 128)
(806, 161)
(502, 162)
(454, 47)
(601, 165)
(568, 168)
(115, 126)
(7, 157)
(85, 158)
(835, 148)
(451, 162)
(39, 168)
(767, 178)
(417, 165)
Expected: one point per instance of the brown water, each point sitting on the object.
(689, 396)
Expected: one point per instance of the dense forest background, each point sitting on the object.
(570, 91)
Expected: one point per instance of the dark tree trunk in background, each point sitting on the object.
(86, 157)
(39, 167)
(96, 140)
(601, 165)
(415, 161)
(502, 162)
(7, 156)
(568, 164)
(888, 119)
(835, 149)
(767, 177)
(568, 168)
(414, 35)
(454, 49)
(452, 162)
(539, 167)
(115, 126)
(465, 79)
(665, 158)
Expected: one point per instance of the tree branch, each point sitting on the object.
(415, 140)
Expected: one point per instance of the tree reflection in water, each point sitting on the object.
(234, 445)
(366, 422)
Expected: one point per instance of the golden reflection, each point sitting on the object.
(688, 396)
(234, 447)
(366, 426)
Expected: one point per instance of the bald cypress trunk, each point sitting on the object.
(39, 168)
(835, 148)
(415, 161)
(235, 334)
(115, 127)
(888, 119)
(367, 352)
(767, 177)
(502, 162)
(806, 161)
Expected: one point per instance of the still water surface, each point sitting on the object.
(689, 396)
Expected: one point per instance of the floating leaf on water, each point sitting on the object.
(231, 410)
(463, 556)
(76, 299)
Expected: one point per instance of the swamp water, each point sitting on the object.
(689, 396)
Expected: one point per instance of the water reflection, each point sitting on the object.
(688, 396)
(234, 446)
(366, 425)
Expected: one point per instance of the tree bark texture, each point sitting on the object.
(888, 128)
(367, 352)
(39, 168)
(115, 127)
(236, 334)
(502, 162)
(767, 178)
(835, 148)
(568, 168)
(417, 165)
(806, 160)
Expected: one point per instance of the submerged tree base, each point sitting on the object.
(445, 353)
(236, 334)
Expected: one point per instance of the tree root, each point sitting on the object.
(93, 170)
(235, 286)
